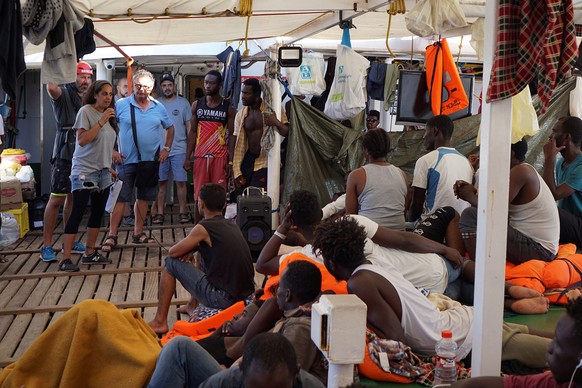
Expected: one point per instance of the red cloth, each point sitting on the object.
(534, 37)
(541, 380)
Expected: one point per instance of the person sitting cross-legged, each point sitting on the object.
(226, 275)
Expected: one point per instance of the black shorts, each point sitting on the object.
(61, 177)
(434, 226)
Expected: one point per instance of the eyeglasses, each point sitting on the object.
(147, 88)
(370, 120)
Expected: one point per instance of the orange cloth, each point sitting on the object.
(328, 282)
(202, 329)
(547, 276)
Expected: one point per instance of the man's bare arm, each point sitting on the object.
(54, 91)
(190, 243)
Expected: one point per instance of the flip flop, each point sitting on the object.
(107, 246)
(142, 238)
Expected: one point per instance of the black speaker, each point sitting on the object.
(254, 219)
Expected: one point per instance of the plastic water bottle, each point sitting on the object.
(446, 367)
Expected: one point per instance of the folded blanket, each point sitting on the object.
(92, 345)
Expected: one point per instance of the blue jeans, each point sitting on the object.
(197, 284)
(453, 289)
(183, 363)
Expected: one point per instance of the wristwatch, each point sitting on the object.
(167, 149)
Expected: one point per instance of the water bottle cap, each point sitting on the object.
(447, 334)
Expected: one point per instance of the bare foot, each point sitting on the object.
(519, 292)
(188, 308)
(159, 328)
(573, 294)
(537, 305)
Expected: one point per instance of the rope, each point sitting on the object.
(396, 7)
(459, 54)
(246, 9)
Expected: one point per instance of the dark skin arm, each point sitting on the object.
(382, 300)
(412, 242)
(192, 135)
(549, 173)
(356, 182)
(231, 139)
(268, 261)
(271, 120)
(418, 197)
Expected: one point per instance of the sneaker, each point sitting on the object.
(78, 247)
(95, 258)
(68, 266)
(128, 220)
(47, 254)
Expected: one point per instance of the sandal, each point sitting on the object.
(184, 218)
(142, 238)
(109, 246)
(158, 219)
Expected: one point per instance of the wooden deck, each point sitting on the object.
(33, 294)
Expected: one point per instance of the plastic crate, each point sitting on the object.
(21, 216)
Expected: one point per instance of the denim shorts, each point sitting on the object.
(97, 180)
(127, 173)
(176, 163)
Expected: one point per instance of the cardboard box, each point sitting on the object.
(10, 195)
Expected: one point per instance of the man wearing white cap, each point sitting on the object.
(66, 101)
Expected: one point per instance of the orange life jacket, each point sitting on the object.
(328, 282)
(445, 88)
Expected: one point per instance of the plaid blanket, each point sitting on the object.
(534, 38)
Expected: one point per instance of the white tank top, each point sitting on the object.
(539, 218)
(383, 196)
(421, 321)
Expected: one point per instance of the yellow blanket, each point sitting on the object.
(92, 345)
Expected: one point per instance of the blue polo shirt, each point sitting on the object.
(572, 176)
(149, 124)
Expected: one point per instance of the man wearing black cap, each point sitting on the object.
(179, 111)
(66, 101)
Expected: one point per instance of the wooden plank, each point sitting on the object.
(24, 292)
(88, 289)
(37, 325)
(9, 292)
(69, 295)
(5, 322)
(85, 271)
(13, 335)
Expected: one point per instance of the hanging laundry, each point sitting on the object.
(376, 80)
(434, 17)
(445, 88)
(60, 56)
(84, 41)
(534, 38)
(12, 63)
(231, 84)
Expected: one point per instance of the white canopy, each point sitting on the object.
(167, 22)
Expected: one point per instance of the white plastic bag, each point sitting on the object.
(576, 99)
(524, 120)
(347, 96)
(10, 230)
(114, 191)
(307, 79)
(434, 17)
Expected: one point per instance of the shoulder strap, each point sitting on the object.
(133, 130)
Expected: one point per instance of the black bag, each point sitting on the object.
(148, 172)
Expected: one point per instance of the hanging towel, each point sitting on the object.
(84, 42)
(60, 57)
(392, 73)
(11, 51)
(376, 80)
